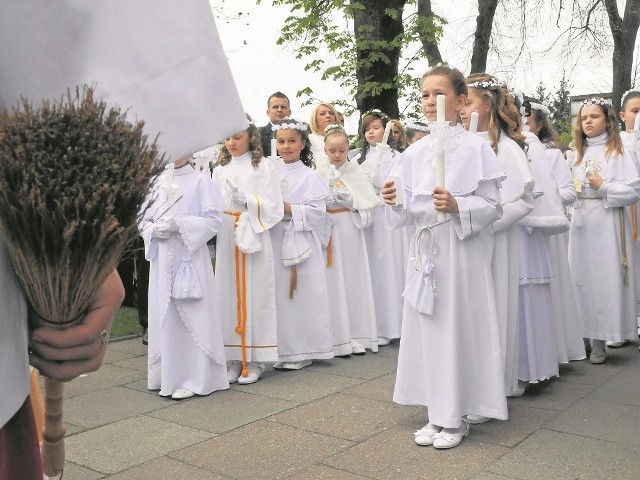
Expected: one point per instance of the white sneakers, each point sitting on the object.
(357, 348)
(477, 419)
(254, 372)
(426, 435)
(181, 394)
(383, 341)
(291, 365)
(440, 438)
(234, 371)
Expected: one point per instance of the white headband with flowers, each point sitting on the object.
(420, 127)
(493, 84)
(624, 95)
(333, 127)
(597, 101)
(290, 123)
(540, 108)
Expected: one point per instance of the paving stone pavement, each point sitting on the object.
(336, 420)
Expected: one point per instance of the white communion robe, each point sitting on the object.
(348, 276)
(387, 250)
(304, 325)
(604, 289)
(568, 326)
(185, 335)
(516, 194)
(538, 346)
(450, 357)
(631, 142)
(250, 241)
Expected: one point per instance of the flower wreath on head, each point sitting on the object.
(418, 126)
(493, 84)
(290, 123)
(597, 101)
(624, 95)
(540, 107)
(375, 112)
(333, 127)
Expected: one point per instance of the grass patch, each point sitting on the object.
(125, 323)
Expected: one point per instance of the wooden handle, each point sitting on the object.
(54, 432)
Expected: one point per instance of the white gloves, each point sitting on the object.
(345, 199)
(237, 196)
(165, 228)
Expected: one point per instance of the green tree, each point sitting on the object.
(561, 111)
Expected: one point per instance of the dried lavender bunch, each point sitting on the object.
(73, 177)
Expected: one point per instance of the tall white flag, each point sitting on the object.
(161, 59)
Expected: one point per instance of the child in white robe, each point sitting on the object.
(245, 282)
(387, 250)
(302, 307)
(450, 357)
(498, 121)
(570, 345)
(186, 354)
(351, 206)
(600, 236)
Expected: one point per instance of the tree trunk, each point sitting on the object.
(429, 42)
(625, 32)
(482, 35)
(377, 54)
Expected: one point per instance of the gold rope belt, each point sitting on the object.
(329, 247)
(623, 245)
(241, 294)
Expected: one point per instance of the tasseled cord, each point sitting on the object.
(329, 253)
(293, 284)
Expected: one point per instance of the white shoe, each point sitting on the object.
(597, 358)
(181, 394)
(292, 365)
(425, 436)
(383, 341)
(357, 348)
(235, 369)
(444, 440)
(477, 419)
(520, 389)
(612, 344)
(254, 372)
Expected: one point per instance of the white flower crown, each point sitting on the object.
(540, 107)
(624, 95)
(597, 101)
(333, 127)
(493, 84)
(420, 127)
(290, 123)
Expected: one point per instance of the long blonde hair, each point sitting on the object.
(614, 142)
(313, 124)
(255, 147)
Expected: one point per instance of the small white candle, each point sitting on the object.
(332, 174)
(473, 127)
(387, 131)
(570, 158)
(440, 108)
(168, 177)
(636, 124)
(274, 148)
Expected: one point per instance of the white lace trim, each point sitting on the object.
(218, 358)
(165, 289)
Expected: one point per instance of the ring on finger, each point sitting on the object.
(104, 336)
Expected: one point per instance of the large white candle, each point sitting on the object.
(274, 148)
(440, 176)
(168, 177)
(440, 108)
(387, 131)
(636, 124)
(473, 127)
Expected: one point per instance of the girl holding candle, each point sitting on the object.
(570, 345)
(600, 235)
(245, 284)
(351, 206)
(186, 354)
(387, 250)
(302, 305)
(497, 121)
(450, 356)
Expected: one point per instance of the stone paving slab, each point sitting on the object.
(380, 388)
(548, 455)
(346, 416)
(300, 386)
(490, 476)
(366, 367)
(555, 394)
(221, 411)
(125, 444)
(116, 403)
(623, 388)
(390, 350)
(322, 472)
(262, 450)
(132, 346)
(107, 376)
(134, 363)
(76, 472)
(616, 423)
(394, 455)
(166, 468)
(585, 373)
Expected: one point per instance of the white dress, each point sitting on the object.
(604, 289)
(348, 276)
(450, 357)
(568, 326)
(516, 194)
(317, 148)
(250, 241)
(630, 140)
(387, 250)
(185, 335)
(304, 325)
